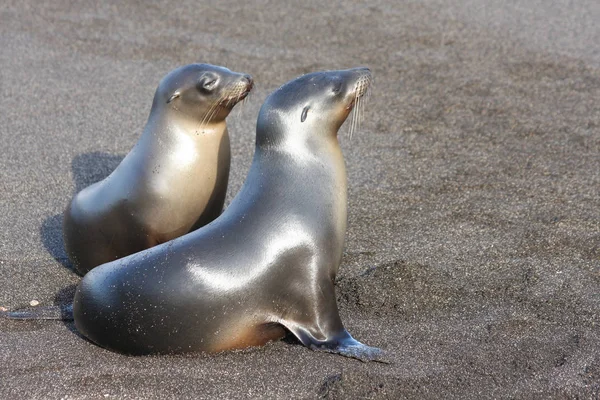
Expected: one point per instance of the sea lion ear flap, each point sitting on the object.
(173, 97)
(304, 113)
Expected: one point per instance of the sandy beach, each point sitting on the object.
(472, 252)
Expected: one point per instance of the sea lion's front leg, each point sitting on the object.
(319, 326)
(340, 343)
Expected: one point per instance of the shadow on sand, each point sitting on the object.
(87, 168)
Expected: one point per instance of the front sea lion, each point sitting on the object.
(174, 179)
(267, 263)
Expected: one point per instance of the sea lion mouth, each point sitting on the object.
(245, 94)
(361, 87)
(237, 92)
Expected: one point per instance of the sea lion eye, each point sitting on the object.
(173, 97)
(337, 88)
(208, 82)
(304, 114)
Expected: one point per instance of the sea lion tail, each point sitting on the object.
(61, 313)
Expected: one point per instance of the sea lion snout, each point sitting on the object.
(361, 72)
(237, 90)
(249, 79)
(363, 82)
(249, 83)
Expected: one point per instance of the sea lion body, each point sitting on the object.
(174, 179)
(267, 263)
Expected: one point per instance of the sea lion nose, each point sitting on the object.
(363, 81)
(250, 81)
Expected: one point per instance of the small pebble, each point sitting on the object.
(3, 309)
(34, 303)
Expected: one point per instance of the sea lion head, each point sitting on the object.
(202, 91)
(315, 104)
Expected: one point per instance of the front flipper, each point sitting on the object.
(342, 343)
(309, 310)
(351, 347)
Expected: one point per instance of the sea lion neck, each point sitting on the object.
(317, 151)
(172, 120)
(298, 140)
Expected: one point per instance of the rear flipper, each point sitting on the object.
(342, 343)
(61, 313)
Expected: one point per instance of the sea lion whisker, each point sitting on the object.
(235, 93)
(245, 101)
(209, 114)
(353, 119)
(354, 115)
(205, 117)
(358, 112)
(215, 108)
(351, 128)
(363, 103)
(357, 115)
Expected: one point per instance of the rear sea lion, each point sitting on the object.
(174, 179)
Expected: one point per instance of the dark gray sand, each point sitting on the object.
(473, 245)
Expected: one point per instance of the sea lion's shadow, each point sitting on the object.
(87, 168)
(63, 298)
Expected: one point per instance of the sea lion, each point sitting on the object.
(174, 180)
(267, 264)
